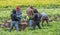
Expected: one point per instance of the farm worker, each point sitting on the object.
(15, 16)
(29, 12)
(44, 17)
(19, 14)
(36, 20)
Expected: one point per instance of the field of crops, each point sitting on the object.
(50, 7)
(37, 3)
(5, 13)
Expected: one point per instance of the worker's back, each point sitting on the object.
(43, 14)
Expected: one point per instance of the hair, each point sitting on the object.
(31, 6)
(14, 11)
(35, 11)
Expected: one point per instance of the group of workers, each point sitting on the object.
(32, 13)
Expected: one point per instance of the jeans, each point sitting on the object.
(14, 23)
(30, 23)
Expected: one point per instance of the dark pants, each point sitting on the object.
(44, 18)
(36, 23)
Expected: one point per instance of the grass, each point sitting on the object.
(53, 29)
(5, 13)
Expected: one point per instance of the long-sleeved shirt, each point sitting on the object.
(36, 17)
(15, 16)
